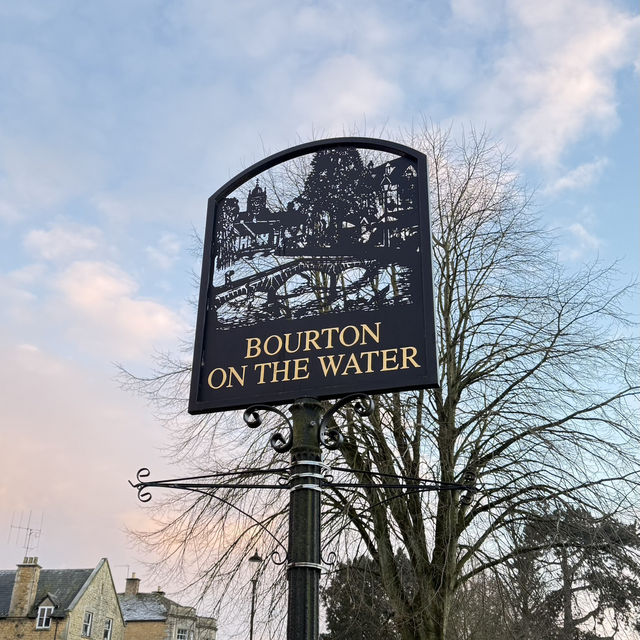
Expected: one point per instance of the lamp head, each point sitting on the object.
(255, 557)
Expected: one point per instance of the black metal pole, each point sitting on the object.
(254, 582)
(303, 570)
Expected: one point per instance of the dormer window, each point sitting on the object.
(44, 617)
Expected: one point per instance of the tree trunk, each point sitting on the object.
(568, 625)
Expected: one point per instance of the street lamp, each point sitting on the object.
(256, 559)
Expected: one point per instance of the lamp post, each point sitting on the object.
(256, 559)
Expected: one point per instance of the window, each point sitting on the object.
(86, 624)
(108, 626)
(182, 634)
(44, 617)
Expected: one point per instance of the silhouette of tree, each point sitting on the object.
(590, 567)
(357, 607)
(332, 197)
(573, 576)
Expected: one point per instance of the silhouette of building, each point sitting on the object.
(343, 204)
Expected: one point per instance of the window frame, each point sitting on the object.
(182, 634)
(87, 624)
(108, 629)
(43, 621)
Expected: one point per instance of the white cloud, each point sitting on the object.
(581, 243)
(342, 90)
(580, 177)
(9, 212)
(63, 241)
(477, 14)
(165, 252)
(18, 296)
(37, 175)
(555, 79)
(103, 310)
(295, 67)
(583, 236)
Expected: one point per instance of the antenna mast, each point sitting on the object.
(31, 533)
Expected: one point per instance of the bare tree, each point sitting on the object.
(538, 401)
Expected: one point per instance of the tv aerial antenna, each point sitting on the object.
(29, 533)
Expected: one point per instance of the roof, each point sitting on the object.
(154, 607)
(6, 587)
(144, 606)
(63, 585)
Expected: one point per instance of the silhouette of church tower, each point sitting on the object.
(256, 201)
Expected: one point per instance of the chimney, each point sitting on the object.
(24, 588)
(132, 586)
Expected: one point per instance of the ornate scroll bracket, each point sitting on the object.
(279, 442)
(244, 479)
(331, 437)
(141, 485)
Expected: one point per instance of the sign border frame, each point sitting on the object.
(195, 406)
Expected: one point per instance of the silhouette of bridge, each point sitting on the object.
(271, 280)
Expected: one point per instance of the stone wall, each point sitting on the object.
(25, 629)
(101, 600)
(146, 631)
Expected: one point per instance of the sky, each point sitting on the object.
(118, 120)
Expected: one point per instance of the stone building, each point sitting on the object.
(59, 604)
(153, 616)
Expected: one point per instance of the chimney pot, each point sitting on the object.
(132, 585)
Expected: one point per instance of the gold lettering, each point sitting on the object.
(330, 364)
(352, 364)
(310, 340)
(260, 366)
(370, 355)
(233, 373)
(389, 356)
(286, 342)
(210, 378)
(278, 348)
(284, 370)
(375, 336)
(330, 336)
(300, 365)
(356, 334)
(253, 344)
(409, 358)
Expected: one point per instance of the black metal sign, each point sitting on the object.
(316, 278)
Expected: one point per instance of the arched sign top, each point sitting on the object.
(316, 281)
(291, 153)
